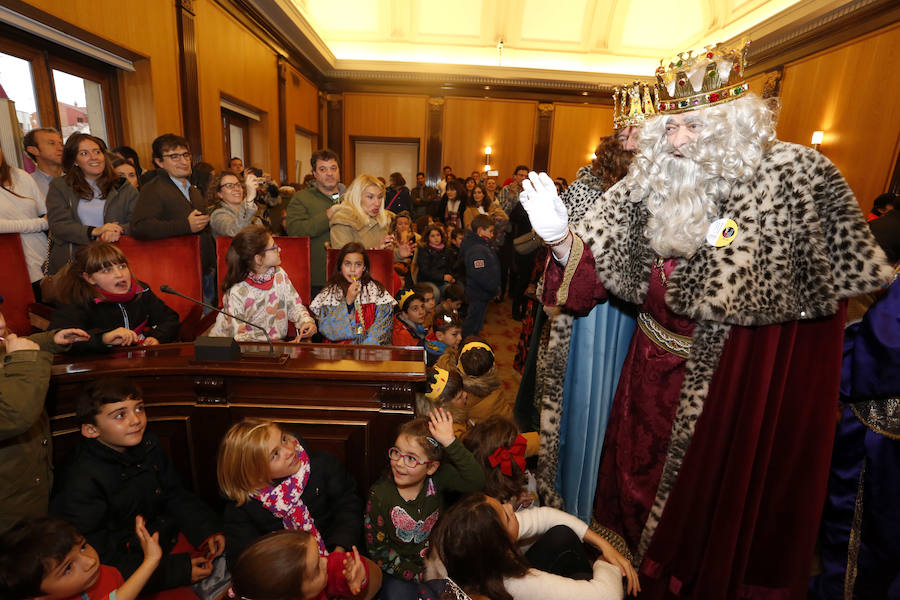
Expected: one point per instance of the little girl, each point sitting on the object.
(475, 361)
(404, 505)
(287, 564)
(446, 333)
(354, 308)
(444, 389)
(487, 560)
(101, 297)
(273, 483)
(409, 328)
(258, 290)
(501, 449)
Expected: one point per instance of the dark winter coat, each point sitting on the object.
(434, 264)
(482, 267)
(99, 317)
(100, 491)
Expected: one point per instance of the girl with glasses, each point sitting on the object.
(258, 290)
(426, 461)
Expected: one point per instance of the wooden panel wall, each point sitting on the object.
(150, 97)
(470, 124)
(235, 63)
(383, 115)
(849, 92)
(577, 129)
(301, 110)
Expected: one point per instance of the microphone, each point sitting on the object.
(168, 290)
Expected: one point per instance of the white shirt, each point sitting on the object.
(24, 216)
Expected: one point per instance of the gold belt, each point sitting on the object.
(679, 345)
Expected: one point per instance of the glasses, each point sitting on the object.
(230, 186)
(275, 247)
(178, 156)
(408, 459)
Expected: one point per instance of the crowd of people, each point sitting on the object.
(691, 316)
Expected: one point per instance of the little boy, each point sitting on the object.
(117, 472)
(427, 292)
(47, 559)
(25, 450)
(482, 271)
(446, 333)
(453, 298)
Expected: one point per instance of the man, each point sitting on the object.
(423, 197)
(476, 175)
(715, 459)
(236, 165)
(510, 263)
(509, 194)
(45, 147)
(446, 176)
(310, 210)
(169, 206)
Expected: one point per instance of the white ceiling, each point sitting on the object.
(601, 41)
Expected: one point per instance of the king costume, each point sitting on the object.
(716, 455)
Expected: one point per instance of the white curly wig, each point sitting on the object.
(680, 192)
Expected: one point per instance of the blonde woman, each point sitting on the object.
(362, 218)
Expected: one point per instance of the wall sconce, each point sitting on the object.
(817, 138)
(487, 157)
(487, 168)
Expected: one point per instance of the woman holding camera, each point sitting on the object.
(234, 210)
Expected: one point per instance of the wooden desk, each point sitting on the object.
(346, 399)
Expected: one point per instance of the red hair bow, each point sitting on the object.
(504, 456)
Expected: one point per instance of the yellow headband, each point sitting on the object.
(440, 382)
(404, 296)
(471, 346)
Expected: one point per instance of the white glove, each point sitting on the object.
(548, 215)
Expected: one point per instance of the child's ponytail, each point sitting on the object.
(249, 242)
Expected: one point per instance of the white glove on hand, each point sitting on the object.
(548, 215)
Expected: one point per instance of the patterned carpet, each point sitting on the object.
(502, 331)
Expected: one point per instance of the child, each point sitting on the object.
(287, 564)
(119, 471)
(258, 290)
(497, 444)
(354, 308)
(404, 237)
(427, 291)
(409, 328)
(456, 237)
(477, 542)
(453, 298)
(482, 271)
(404, 506)
(25, 449)
(444, 389)
(104, 299)
(434, 259)
(273, 483)
(446, 332)
(48, 559)
(475, 362)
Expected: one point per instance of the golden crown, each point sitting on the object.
(633, 104)
(403, 296)
(713, 76)
(440, 382)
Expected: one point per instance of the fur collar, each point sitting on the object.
(347, 215)
(801, 246)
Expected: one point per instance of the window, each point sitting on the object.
(237, 136)
(18, 83)
(80, 105)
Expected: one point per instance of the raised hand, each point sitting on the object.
(354, 572)
(545, 208)
(149, 543)
(440, 424)
(353, 291)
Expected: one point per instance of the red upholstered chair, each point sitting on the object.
(294, 261)
(173, 261)
(382, 264)
(15, 284)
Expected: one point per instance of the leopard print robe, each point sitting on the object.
(801, 247)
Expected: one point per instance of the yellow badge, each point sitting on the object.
(721, 233)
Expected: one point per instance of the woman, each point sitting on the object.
(88, 203)
(361, 217)
(22, 211)
(397, 195)
(452, 206)
(234, 210)
(125, 169)
(470, 187)
(482, 205)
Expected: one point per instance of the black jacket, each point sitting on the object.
(330, 495)
(482, 268)
(101, 491)
(98, 318)
(434, 264)
(162, 211)
(400, 203)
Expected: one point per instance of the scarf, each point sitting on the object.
(434, 346)
(262, 281)
(437, 247)
(504, 456)
(283, 500)
(119, 298)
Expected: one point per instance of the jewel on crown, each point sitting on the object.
(633, 104)
(713, 76)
